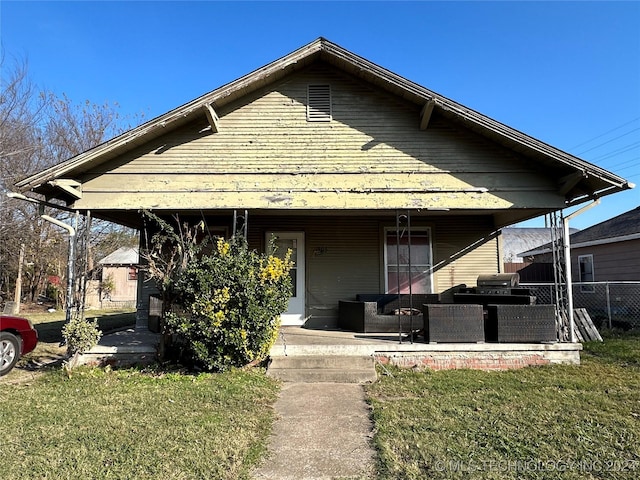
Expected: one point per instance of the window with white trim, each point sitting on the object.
(408, 260)
(585, 272)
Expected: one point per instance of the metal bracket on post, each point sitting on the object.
(240, 223)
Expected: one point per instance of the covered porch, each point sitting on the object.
(139, 346)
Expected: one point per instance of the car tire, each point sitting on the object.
(9, 352)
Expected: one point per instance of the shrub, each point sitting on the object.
(80, 335)
(228, 305)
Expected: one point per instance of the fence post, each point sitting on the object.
(606, 285)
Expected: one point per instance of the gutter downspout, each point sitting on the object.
(567, 265)
(70, 263)
(72, 234)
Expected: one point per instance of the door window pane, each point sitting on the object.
(282, 245)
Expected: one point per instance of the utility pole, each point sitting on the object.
(18, 292)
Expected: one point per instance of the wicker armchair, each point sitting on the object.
(453, 323)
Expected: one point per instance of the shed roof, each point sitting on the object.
(516, 240)
(583, 180)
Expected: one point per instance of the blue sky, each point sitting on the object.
(565, 73)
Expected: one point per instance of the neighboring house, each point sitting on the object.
(608, 254)
(120, 272)
(608, 251)
(337, 157)
(118, 284)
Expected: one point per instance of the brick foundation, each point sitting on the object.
(475, 361)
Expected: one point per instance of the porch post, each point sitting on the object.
(569, 280)
(567, 259)
(70, 263)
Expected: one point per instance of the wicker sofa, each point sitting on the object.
(383, 313)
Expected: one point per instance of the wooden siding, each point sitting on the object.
(124, 288)
(344, 255)
(619, 261)
(464, 248)
(266, 155)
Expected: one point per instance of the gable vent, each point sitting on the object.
(319, 103)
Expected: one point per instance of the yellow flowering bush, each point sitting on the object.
(275, 268)
(222, 247)
(228, 306)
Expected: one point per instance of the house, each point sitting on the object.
(118, 284)
(605, 261)
(348, 164)
(607, 251)
(516, 240)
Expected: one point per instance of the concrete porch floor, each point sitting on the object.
(299, 341)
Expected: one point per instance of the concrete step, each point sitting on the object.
(347, 362)
(323, 369)
(123, 348)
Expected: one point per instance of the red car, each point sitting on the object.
(17, 337)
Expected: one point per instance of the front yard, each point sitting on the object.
(569, 422)
(130, 424)
(565, 422)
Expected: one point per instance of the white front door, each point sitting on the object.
(295, 242)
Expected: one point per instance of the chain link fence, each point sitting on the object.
(610, 304)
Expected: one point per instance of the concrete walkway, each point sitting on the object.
(323, 431)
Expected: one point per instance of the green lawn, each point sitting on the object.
(49, 325)
(556, 422)
(129, 424)
(568, 422)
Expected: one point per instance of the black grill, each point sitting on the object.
(497, 288)
(497, 284)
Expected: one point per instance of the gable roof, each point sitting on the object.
(625, 226)
(582, 180)
(121, 256)
(617, 228)
(518, 239)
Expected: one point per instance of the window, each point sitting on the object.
(318, 103)
(585, 273)
(402, 270)
(133, 273)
